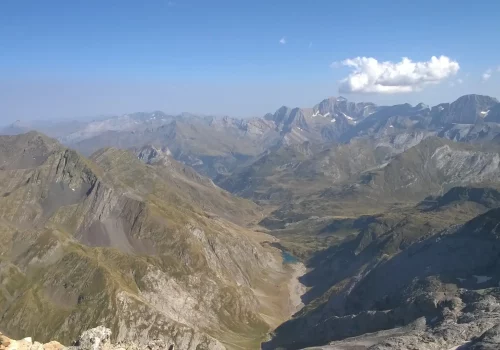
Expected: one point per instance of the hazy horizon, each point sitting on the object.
(379, 100)
(68, 61)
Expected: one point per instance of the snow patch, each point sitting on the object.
(347, 116)
(326, 115)
(333, 120)
(484, 113)
(316, 114)
(391, 126)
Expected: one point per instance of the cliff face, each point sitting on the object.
(111, 241)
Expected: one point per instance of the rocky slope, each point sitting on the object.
(438, 291)
(294, 171)
(468, 109)
(117, 242)
(431, 167)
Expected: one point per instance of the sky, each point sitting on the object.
(76, 59)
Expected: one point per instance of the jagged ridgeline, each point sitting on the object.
(149, 251)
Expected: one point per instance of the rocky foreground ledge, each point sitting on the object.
(93, 339)
(99, 339)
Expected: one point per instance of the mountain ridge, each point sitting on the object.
(217, 145)
(108, 239)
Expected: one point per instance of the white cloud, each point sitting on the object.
(486, 75)
(371, 76)
(283, 41)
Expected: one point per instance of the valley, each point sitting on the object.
(340, 226)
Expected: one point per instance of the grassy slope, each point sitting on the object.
(48, 275)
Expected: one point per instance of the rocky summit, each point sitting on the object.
(339, 226)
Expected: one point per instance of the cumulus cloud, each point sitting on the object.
(371, 76)
(283, 41)
(486, 75)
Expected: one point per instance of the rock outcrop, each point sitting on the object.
(28, 344)
(98, 338)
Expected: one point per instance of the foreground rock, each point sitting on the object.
(98, 338)
(27, 344)
(447, 334)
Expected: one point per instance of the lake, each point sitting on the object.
(288, 258)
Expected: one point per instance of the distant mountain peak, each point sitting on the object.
(467, 109)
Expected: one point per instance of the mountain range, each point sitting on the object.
(194, 229)
(216, 146)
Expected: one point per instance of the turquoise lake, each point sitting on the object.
(288, 258)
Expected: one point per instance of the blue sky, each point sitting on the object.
(66, 59)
